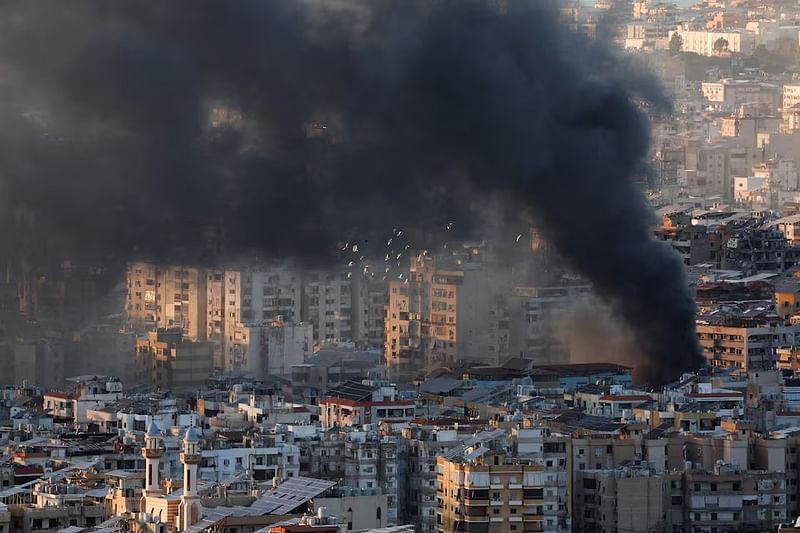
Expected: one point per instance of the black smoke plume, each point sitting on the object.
(156, 128)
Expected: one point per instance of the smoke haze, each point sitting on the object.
(163, 129)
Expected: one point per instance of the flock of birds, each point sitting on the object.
(395, 260)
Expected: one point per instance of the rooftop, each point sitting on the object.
(351, 390)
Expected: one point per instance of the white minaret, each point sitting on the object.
(190, 511)
(152, 452)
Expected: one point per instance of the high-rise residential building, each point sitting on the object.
(256, 296)
(535, 314)
(369, 298)
(218, 305)
(268, 293)
(327, 303)
(483, 327)
(634, 500)
(421, 318)
(271, 348)
(484, 488)
(169, 360)
(439, 316)
(747, 345)
(165, 296)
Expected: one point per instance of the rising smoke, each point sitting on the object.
(154, 127)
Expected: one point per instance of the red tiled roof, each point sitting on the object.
(57, 394)
(24, 470)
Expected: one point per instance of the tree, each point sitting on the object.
(721, 45)
(675, 43)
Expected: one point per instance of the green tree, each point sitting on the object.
(675, 43)
(721, 45)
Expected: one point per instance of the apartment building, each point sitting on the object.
(167, 360)
(481, 488)
(221, 305)
(327, 304)
(356, 404)
(553, 451)
(689, 241)
(421, 319)
(264, 462)
(535, 313)
(165, 296)
(777, 451)
(728, 498)
(634, 500)
(744, 344)
(787, 291)
(791, 95)
(424, 444)
(729, 94)
(269, 349)
(363, 462)
(369, 299)
(713, 42)
(640, 499)
(56, 506)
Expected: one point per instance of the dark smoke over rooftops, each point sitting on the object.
(138, 127)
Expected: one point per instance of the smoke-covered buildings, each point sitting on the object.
(237, 310)
(167, 360)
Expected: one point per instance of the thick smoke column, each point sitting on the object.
(137, 126)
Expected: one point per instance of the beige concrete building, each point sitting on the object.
(328, 305)
(778, 452)
(485, 492)
(640, 500)
(125, 491)
(744, 346)
(535, 315)
(791, 95)
(730, 94)
(164, 296)
(269, 349)
(705, 42)
(421, 319)
(168, 360)
(633, 500)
